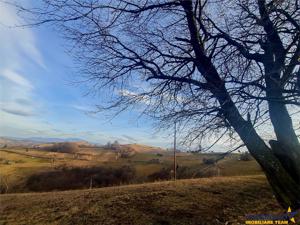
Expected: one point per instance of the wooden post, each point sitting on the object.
(175, 166)
(91, 182)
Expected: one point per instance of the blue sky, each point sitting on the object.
(37, 97)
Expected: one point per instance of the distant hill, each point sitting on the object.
(48, 142)
(138, 148)
(15, 142)
(34, 141)
(51, 140)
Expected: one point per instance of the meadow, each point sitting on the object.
(96, 186)
(204, 201)
(29, 169)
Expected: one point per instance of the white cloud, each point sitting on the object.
(16, 78)
(130, 94)
(18, 52)
(16, 42)
(82, 108)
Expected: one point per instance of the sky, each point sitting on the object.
(39, 99)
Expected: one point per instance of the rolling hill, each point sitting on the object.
(206, 201)
(138, 148)
(33, 141)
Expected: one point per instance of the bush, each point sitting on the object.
(76, 178)
(208, 161)
(64, 147)
(245, 156)
(3, 185)
(113, 146)
(154, 161)
(126, 153)
(163, 174)
(182, 172)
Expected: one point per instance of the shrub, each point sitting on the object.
(182, 172)
(208, 161)
(76, 178)
(3, 188)
(126, 153)
(163, 174)
(64, 147)
(245, 156)
(155, 161)
(3, 185)
(115, 146)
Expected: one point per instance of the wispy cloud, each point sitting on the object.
(82, 108)
(16, 78)
(130, 94)
(17, 42)
(17, 112)
(17, 94)
(129, 138)
(18, 51)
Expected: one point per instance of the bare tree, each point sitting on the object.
(213, 66)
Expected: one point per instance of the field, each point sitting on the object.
(19, 166)
(220, 200)
(95, 186)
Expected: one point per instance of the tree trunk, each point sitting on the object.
(286, 189)
(288, 145)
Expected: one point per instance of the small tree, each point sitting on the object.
(116, 146)
(108, 145)
(208, 161)
(245, 156)
(200, 148)
(64, 147)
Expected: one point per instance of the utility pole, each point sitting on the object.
(175, 166)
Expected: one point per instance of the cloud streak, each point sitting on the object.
(17, 112)
(16, 78)
(129, 138)
(18, 51)
(10, 36)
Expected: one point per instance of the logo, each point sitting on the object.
(291, 215)
(285, 218)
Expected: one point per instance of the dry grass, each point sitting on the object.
(197, 201)
(23, 164)
(138, 148)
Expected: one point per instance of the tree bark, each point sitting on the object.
(274, 64)
(288, 143)
(285, 188)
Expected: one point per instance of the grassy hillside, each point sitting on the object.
(142, 148)
(222, 200)
(18, 166)
(27, 170)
